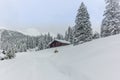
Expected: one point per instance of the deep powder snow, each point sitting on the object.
(95, 60)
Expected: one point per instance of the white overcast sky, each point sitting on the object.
(41, 16)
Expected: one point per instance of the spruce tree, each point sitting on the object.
(70, 35)
(111, 22)
(82, 29)
(96, 35)
(60, 36)
(66, 36)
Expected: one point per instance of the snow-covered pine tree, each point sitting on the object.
(111, 22)
(82, 29)
(66, 36)
(96, 35)
(45, 41)
(60, 36)
(49, 38)
(42, 44)
(69, 35)
(10, 53)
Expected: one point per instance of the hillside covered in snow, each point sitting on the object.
(11, 39)
(95, 60)
(14, 41)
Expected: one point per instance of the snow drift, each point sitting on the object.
(95, 60)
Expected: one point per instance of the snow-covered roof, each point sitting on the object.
(62, 41)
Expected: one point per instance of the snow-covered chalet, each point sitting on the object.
(58, 43)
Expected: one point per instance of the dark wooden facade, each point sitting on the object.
(57, 44)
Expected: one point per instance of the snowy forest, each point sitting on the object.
(13, 42)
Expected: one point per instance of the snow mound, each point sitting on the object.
(95, 60)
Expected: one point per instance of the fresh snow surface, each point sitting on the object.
(95, 60)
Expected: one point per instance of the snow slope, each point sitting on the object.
(95, 60)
